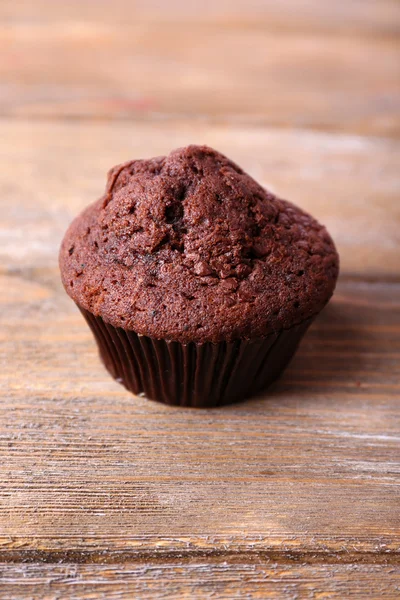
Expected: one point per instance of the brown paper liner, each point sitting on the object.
(196, 375)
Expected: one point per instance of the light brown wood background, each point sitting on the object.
(293, 495)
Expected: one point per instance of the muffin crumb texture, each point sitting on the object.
(190, 248)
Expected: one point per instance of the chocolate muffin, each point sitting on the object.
(197, 282)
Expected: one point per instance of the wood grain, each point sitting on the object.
(89, 473)
(367, 18)
(291, 495)
(223, 580)
(86, 467)
(128, 64)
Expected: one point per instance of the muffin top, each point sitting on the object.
(190, 248)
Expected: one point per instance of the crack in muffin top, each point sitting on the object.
(190, 248)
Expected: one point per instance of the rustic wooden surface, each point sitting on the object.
(302, 63)
(292, 495)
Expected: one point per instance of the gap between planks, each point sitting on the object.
(192, 556)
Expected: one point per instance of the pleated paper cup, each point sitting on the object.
(194, 375)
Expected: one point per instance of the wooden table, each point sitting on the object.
(294, 495)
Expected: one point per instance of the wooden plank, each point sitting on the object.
(86, 468)
(290, 495)
(50, 171)
(199, 580)
(95, 66)
(288, 15)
